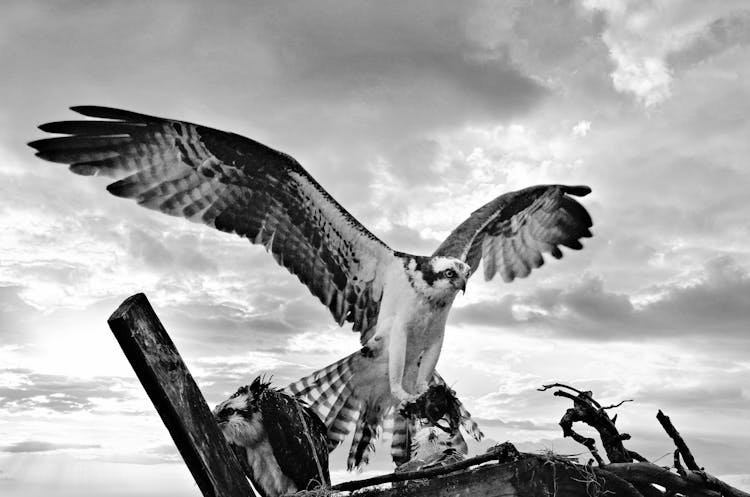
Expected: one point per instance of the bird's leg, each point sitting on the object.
(427, 365)
(396, 362)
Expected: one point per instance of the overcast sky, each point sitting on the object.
(411, 115)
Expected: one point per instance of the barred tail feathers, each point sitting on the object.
(368, 429)
(403, 429)
(326, 379)
(343, 421)
(328, 392)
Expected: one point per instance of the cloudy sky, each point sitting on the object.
(412, 115)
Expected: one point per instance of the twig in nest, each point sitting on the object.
(636, 456)
(504, 452)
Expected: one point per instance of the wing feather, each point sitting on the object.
(236, 185)
(289, 439)
(511, 232)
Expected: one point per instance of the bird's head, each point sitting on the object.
(438, 278)
(239, 417)
(429, 441)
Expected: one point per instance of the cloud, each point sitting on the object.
(705, 397)
(582, 128)
(717, 303)
(171, 250)
(423, 58)
(41, 446)
(414, 161)
(407, 239)
(725, 32)
(495, 313)
(264, 322)
(641, 36)
(410, 71)
(28, 390)
(14, 314)
(158, 454)
(521, 424)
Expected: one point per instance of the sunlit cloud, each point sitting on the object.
(643, 37)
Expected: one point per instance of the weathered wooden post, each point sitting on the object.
(177, 399)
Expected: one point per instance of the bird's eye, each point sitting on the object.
(449, 273)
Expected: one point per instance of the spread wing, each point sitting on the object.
(288, 437)
(236, 185)
(511, 232)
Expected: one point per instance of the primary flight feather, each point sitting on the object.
(398, 302)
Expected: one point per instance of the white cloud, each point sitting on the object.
(581, 128)
(641, 35)
(648, 77)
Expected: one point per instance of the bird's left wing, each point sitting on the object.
(300, 447)
(236, 185)
(511, 232)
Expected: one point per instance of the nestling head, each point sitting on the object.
(239, 416)
(429, 441)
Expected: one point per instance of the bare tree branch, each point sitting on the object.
(587, 410)
(646, 472)
(617, 405)
(687, 456)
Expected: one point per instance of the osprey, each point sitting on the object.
(280, 443)
(397, 302)
(417, 435)
(433, 447)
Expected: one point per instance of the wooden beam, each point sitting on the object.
(177, 399)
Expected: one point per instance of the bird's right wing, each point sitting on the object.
(236, 185)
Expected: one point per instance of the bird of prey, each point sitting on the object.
(280, 443)
(398, 302)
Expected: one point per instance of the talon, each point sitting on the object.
(422, 388)
(402, 396)
(403, 404)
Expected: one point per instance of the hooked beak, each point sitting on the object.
(462, 282)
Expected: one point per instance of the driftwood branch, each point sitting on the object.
(523, 475)
(614, 406)
(502, 453)
(587, 410)
(648, 473)
(691, 480)
(694, 474)
(682, 447)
